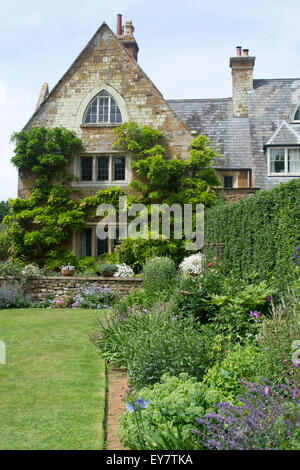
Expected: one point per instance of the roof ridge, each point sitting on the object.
(199, 99)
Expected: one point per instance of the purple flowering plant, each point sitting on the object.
(94, 297)
(267, 417)
(134, 405)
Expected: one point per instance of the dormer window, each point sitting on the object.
(297, 114)
(103, 109)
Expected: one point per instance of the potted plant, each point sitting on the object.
(68, 270)
(107, 270)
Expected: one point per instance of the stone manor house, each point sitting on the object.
(257, 129)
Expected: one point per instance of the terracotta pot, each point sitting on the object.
(108, 274)
(68, 272)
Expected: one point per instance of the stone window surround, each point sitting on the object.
(93, 225)
(110, 182)
(293, 113)
(92, 94)
(286, 148)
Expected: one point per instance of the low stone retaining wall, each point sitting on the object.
(57, 287)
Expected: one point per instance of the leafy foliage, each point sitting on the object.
(4, 209)
(167, 422)
(260, 233)
(159, 179)
(44, 152)
(158, 273)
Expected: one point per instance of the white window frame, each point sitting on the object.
(286, 149)
(111, 181)
(102, 123)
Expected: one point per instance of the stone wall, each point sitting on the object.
(236, 194)
(57, 287)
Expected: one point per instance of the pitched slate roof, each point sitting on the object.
(270, 103)
(284, 135)
(214, 119)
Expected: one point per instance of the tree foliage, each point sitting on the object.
(159, 179)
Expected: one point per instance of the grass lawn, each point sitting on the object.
(52, 387)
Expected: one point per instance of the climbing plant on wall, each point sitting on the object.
(40, 227)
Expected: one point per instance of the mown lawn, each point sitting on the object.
(52, 387)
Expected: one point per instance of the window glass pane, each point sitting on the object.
(91, 114)
(294, 161)
(103, 108)
(86, 242)
(277, 157)
(228, 181)
(297, 115)
(102, 168)
(102, 246)
(119, 168)
(86, 168)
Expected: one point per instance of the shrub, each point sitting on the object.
(277, 336)
(167, 421)
(4, 245)
(123, 271)
(159, 273)
(13, 297)
(31, 270)
(192, 264)
(267, 418)
(165, 344)
(12, 268)
(135, 252)
(223, 377)
(230, 313)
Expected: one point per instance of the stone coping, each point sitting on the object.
(80, 278)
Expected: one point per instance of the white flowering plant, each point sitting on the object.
(192, 264)
(123, 270)
(31, 270)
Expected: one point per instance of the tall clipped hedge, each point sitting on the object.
(260, 233)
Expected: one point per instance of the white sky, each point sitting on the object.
(184, 49)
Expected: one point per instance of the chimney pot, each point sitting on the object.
(119, 25)
(129, 28)
(239, 51)
(246, 52)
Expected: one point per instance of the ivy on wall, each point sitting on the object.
(260, 232)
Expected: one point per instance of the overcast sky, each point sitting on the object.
(184, 48)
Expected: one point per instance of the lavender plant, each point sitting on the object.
(267, 418)
(13, 297)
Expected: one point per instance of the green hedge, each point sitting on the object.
(260, 232)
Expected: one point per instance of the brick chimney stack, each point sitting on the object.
(127, 39)
(242, 79)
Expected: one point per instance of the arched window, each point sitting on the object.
(102, 110)
(297, 114)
